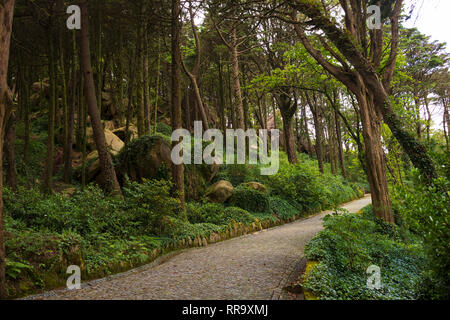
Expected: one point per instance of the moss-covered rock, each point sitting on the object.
(256, 186)
(121, 132)
(113, 142)
(220, 191)
(145, 158)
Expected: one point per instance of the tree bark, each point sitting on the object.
(365, 71)
(339, 143)
(10, 154)
(140, 83)
(193, 76)
(221, 95)
(288, 109)
(6, 19)
(318, 127)
(147, 112)
(48, 174)
(70, 125)
(236, 82)
(375, 158)
(110, 183)
(177, 170)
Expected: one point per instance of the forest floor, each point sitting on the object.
(256, 267)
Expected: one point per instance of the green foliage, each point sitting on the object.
(303, 184)
(238, 215)
(205, 213)
(249, 199)
(425, 209)
(139, 149)
(30, 171)
(88, 212)
(283, 208)
(214, 213)
(164, 129)
(180, 229)
(149, 202)
(348, 246)
(237, 174)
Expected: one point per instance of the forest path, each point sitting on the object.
(256, 267)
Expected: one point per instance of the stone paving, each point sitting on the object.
(256, 266)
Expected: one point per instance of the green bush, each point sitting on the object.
(283, 208)
(425, 210)
(87, 212)
(237, 174)
(179, 229)
(214, 213)
(164, 129)
(249, 199)
(205, 213)
(238, 215)
(347, 247)
(149, 202)
(138, 149)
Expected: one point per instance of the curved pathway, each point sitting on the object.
(256, 267)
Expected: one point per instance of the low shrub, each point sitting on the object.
(237, 174)
(249, 199)
(425, 210)
(164, 129)
(283, 208)
(149, 201)
(347, 247)
(238, 215)
(180, 229)
(88, 212)
(205, 213)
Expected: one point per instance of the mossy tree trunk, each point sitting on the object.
(6, 19)
(177, 170)
(110, 183)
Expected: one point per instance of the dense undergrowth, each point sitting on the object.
(105, 235)
(412, 255)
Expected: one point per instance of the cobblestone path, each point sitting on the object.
(256, 266)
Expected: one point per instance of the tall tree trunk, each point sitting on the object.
(129, 112)
(140, 82)
(48, 175)
(6, 19)
(27, 124)
(67, 158)
(339, 143)
(230, 100)
(375, 158)
(10, 153)
(99, 19)
(193, 76)
(318, 127)
(121, 91)
(221, 95)
(245, 101)
(288, 109)
(308, 138)
(70, 125)
(110, 183)
(177, 170)
(332, 143)
(236, 82)
(147, 113)
(158, 77)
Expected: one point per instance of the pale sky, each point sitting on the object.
(431, 17)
